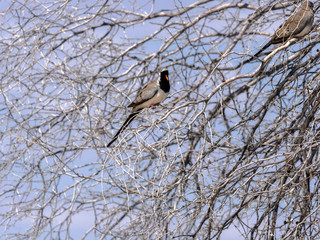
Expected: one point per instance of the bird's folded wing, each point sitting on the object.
(293, 25)
(145, 94)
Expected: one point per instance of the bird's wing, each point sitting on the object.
(146, 93)
(294, 25)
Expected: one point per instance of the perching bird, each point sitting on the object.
(298, 25)
(152, 94)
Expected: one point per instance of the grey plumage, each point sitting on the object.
(298, 25)
(152, 94)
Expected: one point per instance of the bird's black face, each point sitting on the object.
(164, 81)
(165, 75)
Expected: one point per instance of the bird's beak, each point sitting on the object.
(167, 78)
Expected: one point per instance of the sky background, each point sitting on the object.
(70, 69)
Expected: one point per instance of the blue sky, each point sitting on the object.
(63, 78)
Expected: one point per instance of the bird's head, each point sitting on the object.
(164, 75)
(307, 4)
(164, 81)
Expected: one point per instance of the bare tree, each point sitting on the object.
(233, 152)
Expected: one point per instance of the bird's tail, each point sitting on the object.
(125, 124)
(260, 51)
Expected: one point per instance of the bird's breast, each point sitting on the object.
(305, 31)
(156, 99)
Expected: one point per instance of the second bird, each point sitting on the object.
(152, 94)
(298, 25)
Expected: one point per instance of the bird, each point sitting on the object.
(151, 95)
(298, 25)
